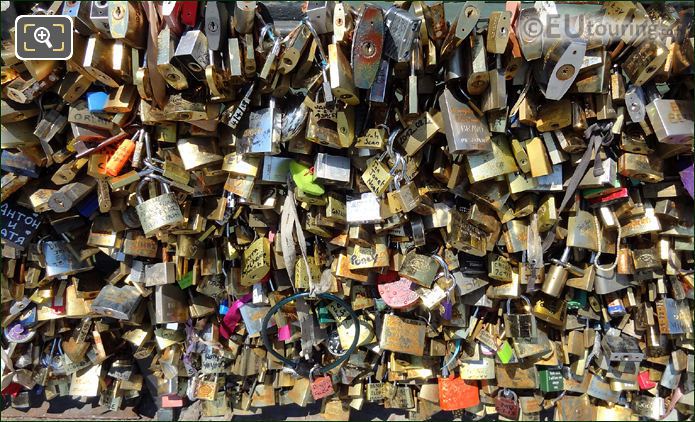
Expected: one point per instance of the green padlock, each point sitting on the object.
(578, 301)
(551, 380)
(324, 315)
(186, 281)
(304, 178)
(505, 352)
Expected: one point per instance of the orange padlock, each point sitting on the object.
(456, 393)
(120, 157)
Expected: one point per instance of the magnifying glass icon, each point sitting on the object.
(42, 36)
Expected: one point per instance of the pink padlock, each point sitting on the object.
(398, 294)
(644, 382)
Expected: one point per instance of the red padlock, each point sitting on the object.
(507, 404)
(456, 393)
(189, 12)
(321, 386)
(171, 14)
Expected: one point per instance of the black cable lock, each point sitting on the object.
(296, 365)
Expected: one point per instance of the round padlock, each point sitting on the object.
(398, 294)
(333, 344)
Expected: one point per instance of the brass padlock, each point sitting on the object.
(520, 325)
(256, 263)
(402, 335)
(420, 269)
(465, 132)
(160, 212)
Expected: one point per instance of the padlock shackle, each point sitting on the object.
(147, 179)
(522, 297)
(442, 263)
(163, 182)
(294, 364)
(148, 147)
(140, 187)
(319, 44)
(457, 349)
(389, 147)
(386, 128)
(508, 393)
(398, 175)
(447, 274)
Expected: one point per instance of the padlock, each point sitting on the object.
(465, 132)
(192, 54)
(398, 294)
(170, 304)
(333, 168)
(117, 302)
(321, 386)
(367, 46)
(551, 380)
(670, 120)
(342, 84)
(456, 393)
(261, 135)
(556, 277)
(561, 64)
(256, 263)
(619, 348)
(520, 325)
(158, 213)
(644, 61)
(402, 335)
(549, 309)
(420, 269)
(126, 21)
(507, 404)
(424, 156)
(401, 30)
(61, 260)
(107, 61)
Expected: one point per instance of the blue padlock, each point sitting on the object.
(88, 206)
(96, 101)
(223, 307)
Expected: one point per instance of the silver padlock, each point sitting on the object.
(192, 53)
(60, 261)
(160, 273)
(672, 121)
(117, 302)
(520, 325)
(621, 349)
(170, 304)
(332, 168)
(320, 14)
(401, 29)
(157, 213)
(261, 135)
(609, 281)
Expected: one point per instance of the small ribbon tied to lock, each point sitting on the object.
(233, 316)
(300, 365)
